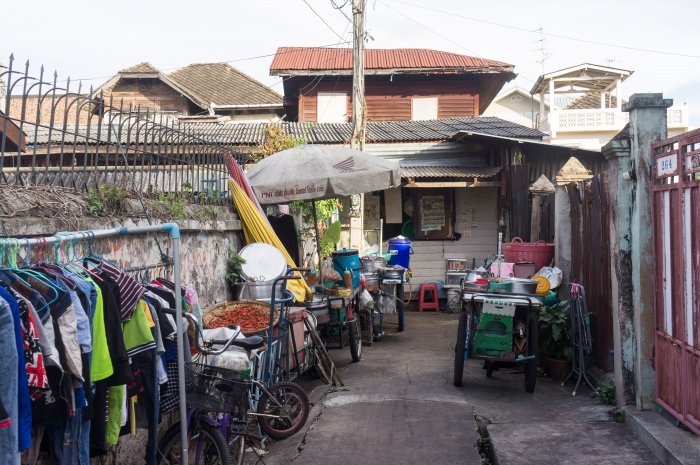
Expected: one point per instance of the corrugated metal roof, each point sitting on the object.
(237, 134)
(325, 59)
(447, 172)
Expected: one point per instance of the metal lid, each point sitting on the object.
(263, 262)
(398, 240)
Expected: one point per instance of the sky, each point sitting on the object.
(92, 40)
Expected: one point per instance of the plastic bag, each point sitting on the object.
(366, 300)
(553, 274)
(329, 273)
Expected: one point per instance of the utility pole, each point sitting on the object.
(356, 210)
(358, 75)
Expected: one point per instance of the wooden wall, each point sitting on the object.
(150, 93)
(391, 100)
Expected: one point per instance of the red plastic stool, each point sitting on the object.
(434, 303)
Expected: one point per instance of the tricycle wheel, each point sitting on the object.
(460, 348)
(531, 365)
(355, 340)
(489, 369)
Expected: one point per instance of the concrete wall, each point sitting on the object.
(522, 111)
(428, 260)
(204, 246)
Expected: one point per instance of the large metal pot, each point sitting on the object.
(260, 290)
(523, 286)
(368, 266)
(379, 262)
(318, 306)
(372, 282)
(393, 272)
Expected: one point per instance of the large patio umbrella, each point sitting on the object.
(314, 172)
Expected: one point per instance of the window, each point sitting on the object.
(516, 98)
(332, 107)
(424, 108)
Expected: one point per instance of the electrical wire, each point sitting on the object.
(430, 29)
(477, 55)
(340, 8)
(234, 60)
(557, 36)
(322, 20)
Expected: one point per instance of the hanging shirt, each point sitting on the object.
(34, 359)
(113, 330)
(9, 435)
(24, 420)
(137, 332)
(101, 365)
(130, 291)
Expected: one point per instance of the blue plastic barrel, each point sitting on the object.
(348, 259)
(400, 250)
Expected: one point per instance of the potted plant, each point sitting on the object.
(553, 326)
(234, 270)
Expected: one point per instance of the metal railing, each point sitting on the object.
(52, 133)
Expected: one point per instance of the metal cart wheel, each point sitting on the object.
(531, 365)
(460, 348)
(490, 367)
(355, 340)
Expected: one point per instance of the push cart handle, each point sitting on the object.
(287, 278)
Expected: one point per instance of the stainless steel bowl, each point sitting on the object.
(523, 286)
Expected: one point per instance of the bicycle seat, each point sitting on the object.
(249, 343)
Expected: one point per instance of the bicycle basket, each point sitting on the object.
(213, 389)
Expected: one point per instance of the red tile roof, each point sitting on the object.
(327, 59)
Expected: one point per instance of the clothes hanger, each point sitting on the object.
(76, 267)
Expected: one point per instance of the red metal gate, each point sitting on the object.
(677, 254)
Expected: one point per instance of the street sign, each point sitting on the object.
(667, 166)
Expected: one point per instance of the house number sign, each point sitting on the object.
(666, 166)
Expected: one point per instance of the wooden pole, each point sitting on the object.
(358, 75)
(318, 239)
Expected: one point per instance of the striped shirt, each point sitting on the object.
(130, 291)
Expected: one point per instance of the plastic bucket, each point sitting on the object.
(540, 253)
(348, 259)
(401, 251)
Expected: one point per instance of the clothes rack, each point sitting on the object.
(59, 239)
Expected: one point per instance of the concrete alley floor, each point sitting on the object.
(398, 406)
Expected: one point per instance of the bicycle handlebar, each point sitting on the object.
(206, 345)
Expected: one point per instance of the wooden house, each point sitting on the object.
(400, 84)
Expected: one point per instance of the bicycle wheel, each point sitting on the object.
(532, 349)
(355, 340)
(289, 416)
(460, 348)
(207, 446)
(238, 426)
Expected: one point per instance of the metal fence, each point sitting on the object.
(52, 132)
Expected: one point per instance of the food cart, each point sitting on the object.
(337, 321)
(500, 329)
(385, 284)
